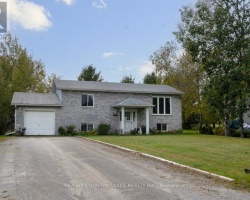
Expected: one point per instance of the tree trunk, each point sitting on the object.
(227, 126)
(200, 127)
(241, 127)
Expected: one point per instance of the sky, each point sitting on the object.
(115, 36)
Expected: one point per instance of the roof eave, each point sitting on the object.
(38, 105)
(121, 91)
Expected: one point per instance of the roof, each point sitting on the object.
(35, 99)
(132, 102)
(115, 87)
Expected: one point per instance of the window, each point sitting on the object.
(162, 127)
(162, 105)
(88, 100)
(87, 127)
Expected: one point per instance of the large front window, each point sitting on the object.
(162, 106)
(88, 100)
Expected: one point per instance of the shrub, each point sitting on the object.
(153, 131)
(133, 132)
(219, 131)
(207, 130)
(87, 133)
(143, 129)
(70, 130)
(234, 133)
(62, 131)
(103, 129)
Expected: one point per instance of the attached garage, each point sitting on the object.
(39, 122)
(36, 112)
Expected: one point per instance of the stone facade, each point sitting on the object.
(72, 112)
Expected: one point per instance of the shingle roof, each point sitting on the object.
(132, 102)
(115, 87)
(35, 99)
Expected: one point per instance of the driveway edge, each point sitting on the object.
(162, 160)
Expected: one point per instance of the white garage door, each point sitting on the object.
(39, 122)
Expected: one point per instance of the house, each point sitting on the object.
(86, 104)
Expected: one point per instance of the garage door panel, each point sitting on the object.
(39, 123)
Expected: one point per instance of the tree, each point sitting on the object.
(88, 73)
(216, 35)
(150, 78)
(128, 79)
(19, 72)
(183, 74)
(50, 80)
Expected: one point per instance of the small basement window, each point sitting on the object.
(87, 127)
(162, 127)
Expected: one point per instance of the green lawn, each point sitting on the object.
(2, 138)
(225, 156)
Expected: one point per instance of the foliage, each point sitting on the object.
(62, 131)
(50, 80)
(128, 79)
(19, 72)
(216, 35)
(67, 131)
(133, 132)
(89, 73)
(103, 129)
(150, 78)
(180, 72)
(70, 130)
(219, 130)
(207, 130)
(87, 133)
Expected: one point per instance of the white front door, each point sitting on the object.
(130, 120)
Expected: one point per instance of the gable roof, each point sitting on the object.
(35, 99)
(132, 102)
(115, 87)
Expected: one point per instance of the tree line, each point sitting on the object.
(209, 60)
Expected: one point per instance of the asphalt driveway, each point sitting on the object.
(73, 168)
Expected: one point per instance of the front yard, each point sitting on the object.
(2, 138)
(225, 156)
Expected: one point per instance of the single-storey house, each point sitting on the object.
(85, 104)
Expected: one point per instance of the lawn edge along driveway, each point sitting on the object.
(163, 160)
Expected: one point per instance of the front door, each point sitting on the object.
(130, 120)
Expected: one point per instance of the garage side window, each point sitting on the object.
(88, 100)
(87, 127)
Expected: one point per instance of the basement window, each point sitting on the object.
(87, 127)
(162, 127)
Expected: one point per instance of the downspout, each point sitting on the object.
(15, 118)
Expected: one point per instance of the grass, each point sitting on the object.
(2, 138)
(225, 156)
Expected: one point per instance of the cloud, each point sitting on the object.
(108, 54)
(111, 54)
(68, 2)
(146, 68)
(29, 15)
(100, 4)
(121, 68)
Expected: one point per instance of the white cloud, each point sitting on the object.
(108, 54)
(68, 2)
(100, 4)
(121, 68)
(111, 54)
(29, 15)
(147, 67)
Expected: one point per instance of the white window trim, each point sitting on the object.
(93, 101)
(87, 126)
(170, 101)
(161, 127)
